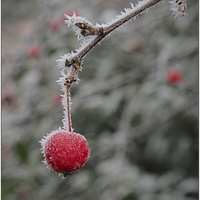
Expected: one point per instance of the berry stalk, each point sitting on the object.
(68, 110)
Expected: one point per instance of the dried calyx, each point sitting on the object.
(88, 29)
(72, 75)
(178, 7)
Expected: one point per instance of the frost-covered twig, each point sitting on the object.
(92, 35)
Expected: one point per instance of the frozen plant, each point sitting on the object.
(64, 150)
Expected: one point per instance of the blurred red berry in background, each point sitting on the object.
(174, 76)
(7, 97)
(137, 45)
(54, 25)
(33, 51)
(57, 99)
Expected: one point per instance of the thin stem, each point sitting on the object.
(68, 110)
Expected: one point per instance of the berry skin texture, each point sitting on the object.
(174, 76)
(65, 152)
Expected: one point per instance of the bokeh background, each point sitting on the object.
(136, 103)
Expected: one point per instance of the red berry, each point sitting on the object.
(174, 76)
(54, 25)
(33, 51)
(65, 152)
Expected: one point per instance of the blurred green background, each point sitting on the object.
(136, 103)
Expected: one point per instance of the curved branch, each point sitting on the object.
(108, 29)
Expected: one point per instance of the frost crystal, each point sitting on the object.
(178, 7)
(126, 12)
(62, 60)
(61, 79)
(72, 21)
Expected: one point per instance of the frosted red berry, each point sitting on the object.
(33, 51)
(65, 152)
(174, 76)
